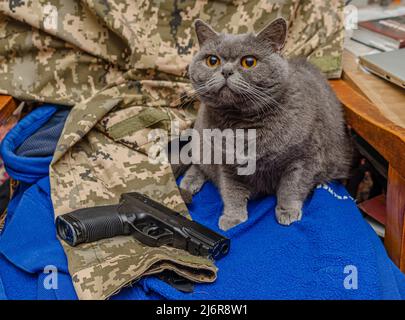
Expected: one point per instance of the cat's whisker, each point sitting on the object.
(245, 93)
(189, 96)
(268, 101)
(263, 100)
(179, 103)
(254, 89)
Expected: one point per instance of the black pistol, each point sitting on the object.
(150, 222)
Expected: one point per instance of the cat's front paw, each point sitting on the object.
(228, 222)
(288, 215)
(192, 181)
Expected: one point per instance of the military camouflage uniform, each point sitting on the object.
(121, 65)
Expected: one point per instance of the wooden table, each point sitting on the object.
(375, 109)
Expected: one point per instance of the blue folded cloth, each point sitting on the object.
(28, 241)
(42, 143)
(26, 169)
(307, 260)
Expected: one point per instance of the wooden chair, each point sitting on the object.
(389, 140)
(386, 137)
(7, 106)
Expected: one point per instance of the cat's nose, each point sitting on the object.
(226, 72)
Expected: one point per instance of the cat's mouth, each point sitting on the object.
(225, 92)
(225, 89)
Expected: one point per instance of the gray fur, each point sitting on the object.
(301, 136)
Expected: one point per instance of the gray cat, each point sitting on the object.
(243, 81)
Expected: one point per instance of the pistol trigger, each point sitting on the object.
(160, 236)
(165, 237)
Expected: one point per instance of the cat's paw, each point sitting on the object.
(288, 215)
(192, 181)
(228, 222)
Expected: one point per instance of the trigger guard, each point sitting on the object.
(159, 237)
(166, 235)
(142, 234)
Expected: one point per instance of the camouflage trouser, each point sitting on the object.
(122, 64)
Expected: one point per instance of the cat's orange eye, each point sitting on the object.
(248, 62)
(212, 61)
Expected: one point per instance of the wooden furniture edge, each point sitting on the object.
(365, 118)
(7, 107)
(389, 140)
(395, 238)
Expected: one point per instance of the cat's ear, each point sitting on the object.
(275, 34)
(204, 32)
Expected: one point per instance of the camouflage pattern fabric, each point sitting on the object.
(121, 65)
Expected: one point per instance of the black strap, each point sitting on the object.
(176, 281)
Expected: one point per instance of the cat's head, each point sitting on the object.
(244, 71)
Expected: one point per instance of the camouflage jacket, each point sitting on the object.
(121, 65)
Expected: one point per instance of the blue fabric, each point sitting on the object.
(26, 169)
(28, 241)
(306, 260)
(267, 261)
(43, 142)
(2, 291)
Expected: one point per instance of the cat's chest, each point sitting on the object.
(265, 177)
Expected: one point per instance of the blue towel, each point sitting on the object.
(42, 142)
(267, 261)
(28, 242)
(306, 260)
